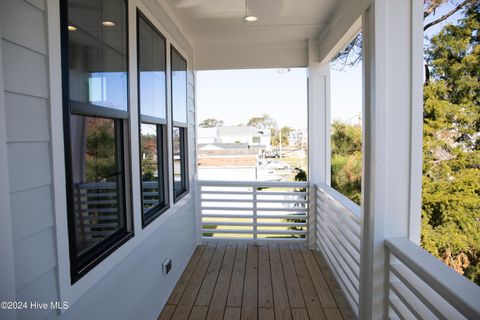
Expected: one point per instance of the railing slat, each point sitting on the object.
(250, 216)
(462, 294)
(435, 304)
(259, 224)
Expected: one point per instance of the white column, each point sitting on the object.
(318, 119)
(393, 53)
(318, 130)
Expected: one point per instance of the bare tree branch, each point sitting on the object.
(431, 6)
(445, 16)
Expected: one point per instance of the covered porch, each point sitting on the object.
(237, 249)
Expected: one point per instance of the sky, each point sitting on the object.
(235, 96)
(346, 94)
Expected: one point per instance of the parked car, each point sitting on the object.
(272, 154)
(277, 165)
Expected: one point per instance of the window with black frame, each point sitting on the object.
(95, 104)
(153, 118)
(179, 116)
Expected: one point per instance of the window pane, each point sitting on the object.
(179, 87)
(151, 59)
(179, 182)
(151, 172)
(97, 179)
(98, 52)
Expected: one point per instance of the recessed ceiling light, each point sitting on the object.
(108, 23)
(72, 28)
(250, 18)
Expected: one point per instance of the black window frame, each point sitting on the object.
(161, 129)
(178, 194)
(79, 266)
(183, 128)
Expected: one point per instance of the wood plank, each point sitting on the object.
(250, 296)
(167, 312)
(323, 291)
(198, 313)
(312, 301)
(235, 291)
(186, 275)
(300, 314)
(219, 299)
(291, 280)
(280, 297)
(265, 296)
(206, 290)
(333, 314)
(188, 298)
(266, 314)
(337, 293)
(232, 313)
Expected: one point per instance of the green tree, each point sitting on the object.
(263, 122)
(149, 153)
(100, 150)
(351, 55)
(283, 134)
(346, 169)
(451, 148)
(210, 123)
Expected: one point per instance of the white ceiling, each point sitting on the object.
(281, 23)
(214, 21)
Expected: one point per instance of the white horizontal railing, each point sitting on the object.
(338, 238)
(419, 285)
(97, 207)
(252, 210)
(422, 287)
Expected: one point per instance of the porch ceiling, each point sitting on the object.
(222, 40)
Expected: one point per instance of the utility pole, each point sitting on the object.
(280, 141)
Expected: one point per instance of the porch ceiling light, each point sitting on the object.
(72, 28)
(108, 23)
(248, 17)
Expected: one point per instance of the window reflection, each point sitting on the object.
(152, 67)
(97, 53)
(150, 167)
(152, 103)
(97, 179)
(179, 161)
(179, 87)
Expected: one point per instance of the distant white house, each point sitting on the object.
(234, 135)
(207, 135)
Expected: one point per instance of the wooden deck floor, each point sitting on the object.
(239, 281)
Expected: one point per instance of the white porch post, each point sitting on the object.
(318, 131)
(393, 53)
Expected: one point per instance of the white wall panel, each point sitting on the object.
(27, 118)
(32, 211)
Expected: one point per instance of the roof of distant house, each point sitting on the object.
(240, 161)
(206, 132)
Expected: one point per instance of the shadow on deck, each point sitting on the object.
(246, 281)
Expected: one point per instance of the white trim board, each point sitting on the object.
(7, 268)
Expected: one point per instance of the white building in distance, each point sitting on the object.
(250, 136)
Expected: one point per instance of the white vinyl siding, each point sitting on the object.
(24, 61)
(136, 282)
